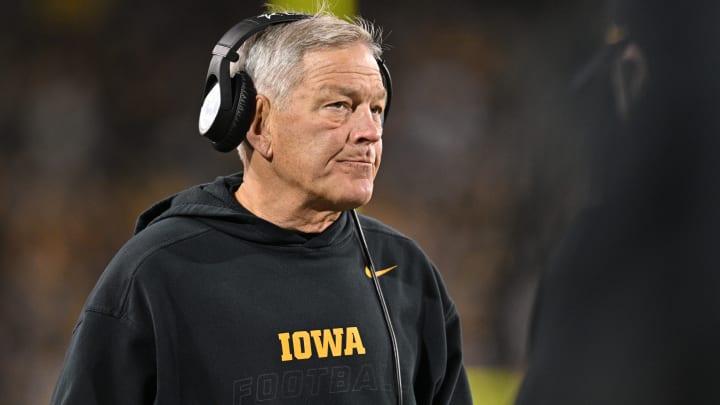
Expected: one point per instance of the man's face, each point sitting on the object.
(326, 137)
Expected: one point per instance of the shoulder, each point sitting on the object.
(378, 229)
(139, 254)
(418, 274)
(156, 238)
(393, 245)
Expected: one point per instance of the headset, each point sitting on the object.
(228, 106)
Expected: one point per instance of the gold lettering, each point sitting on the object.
(285, 346)
(327, 341)
(353, 341)
(301, 345)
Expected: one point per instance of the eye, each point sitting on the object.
(337, 105)
(376, 109)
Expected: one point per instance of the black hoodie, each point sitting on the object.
(208, 304)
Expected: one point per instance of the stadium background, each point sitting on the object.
(485, 160)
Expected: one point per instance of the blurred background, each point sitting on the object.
(485, 163)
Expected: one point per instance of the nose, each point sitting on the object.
(367, 127)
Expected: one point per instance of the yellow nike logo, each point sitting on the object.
(379, 272)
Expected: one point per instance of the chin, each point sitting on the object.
(352, 202)
(363, 197)
(350, 196)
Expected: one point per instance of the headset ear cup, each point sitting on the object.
(244, 112)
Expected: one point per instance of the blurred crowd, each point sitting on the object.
(485, 163)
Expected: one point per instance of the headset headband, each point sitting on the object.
(225, 52)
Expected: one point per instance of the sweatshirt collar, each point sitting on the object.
(215, 204)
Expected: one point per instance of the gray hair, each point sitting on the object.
(273, 57)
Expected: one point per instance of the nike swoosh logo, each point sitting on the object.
(379, 272)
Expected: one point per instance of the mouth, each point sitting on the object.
(364, 165)
(356, 161)
(364, 161)
(357, 167)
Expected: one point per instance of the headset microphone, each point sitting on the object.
(228, 106)
(383, 305)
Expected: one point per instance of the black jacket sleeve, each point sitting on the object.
(454, 387)
(110, 361)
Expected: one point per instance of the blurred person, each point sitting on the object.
(628, 312)
(261, 286)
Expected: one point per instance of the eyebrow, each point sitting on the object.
(350, 92)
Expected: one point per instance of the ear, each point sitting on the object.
(258, 134)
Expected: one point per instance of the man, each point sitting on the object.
(256, 288)
(628, 312)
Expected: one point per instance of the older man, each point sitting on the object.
(261, 287)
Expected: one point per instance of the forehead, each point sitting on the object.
(354, 62)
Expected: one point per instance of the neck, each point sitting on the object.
(284, 211)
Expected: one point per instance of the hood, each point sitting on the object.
(215, 205)
(209, 200)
